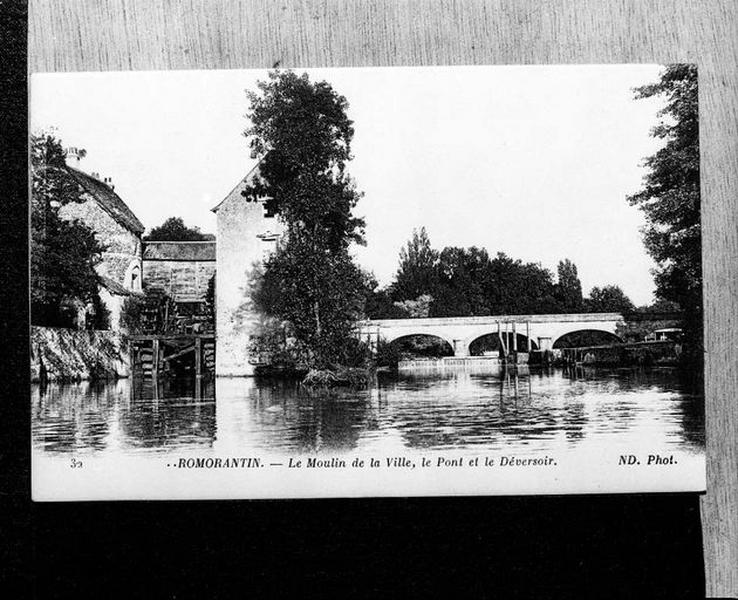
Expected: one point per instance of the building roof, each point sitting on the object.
(184, 251)
(108, 200)
(114, 287)
(253, 172)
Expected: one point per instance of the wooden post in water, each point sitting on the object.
(527, 335)
(515, 338)
(198, 357)
(155, 359)
(198, 368)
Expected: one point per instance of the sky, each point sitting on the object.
(532, 161)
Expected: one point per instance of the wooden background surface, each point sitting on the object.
(95, 35)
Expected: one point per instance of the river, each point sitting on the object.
(540, 411)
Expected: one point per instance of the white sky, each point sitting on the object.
(533, 161)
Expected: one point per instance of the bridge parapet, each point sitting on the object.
(483, 320)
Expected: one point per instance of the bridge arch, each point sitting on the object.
(591, 336)
(399, 338)
(489, 341)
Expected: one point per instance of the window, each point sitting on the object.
(135, 283)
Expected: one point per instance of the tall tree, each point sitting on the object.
(670, 198)
(63, 252)
(569, 288)
(175, 230)
(302, 135)
(417, 273)
(515, 287)
(463, 282)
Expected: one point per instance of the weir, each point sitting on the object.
(473, 364)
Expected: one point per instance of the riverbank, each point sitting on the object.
(66, 355)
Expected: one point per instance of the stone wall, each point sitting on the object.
(74, 355)
(184, 281)
(123, 253)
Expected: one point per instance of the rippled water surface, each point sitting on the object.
(540, 411)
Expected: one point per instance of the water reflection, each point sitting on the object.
(537, 411)
(122, 416)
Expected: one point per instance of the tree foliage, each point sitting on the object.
(175, 230)
(516, 287)
(569, 288)
(416, 274)
(63, 252)
(609, 298)
(320, 296)
(462, 282)
(379, 303)
(670, 197)
(302, 135)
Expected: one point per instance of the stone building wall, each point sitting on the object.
(184, 281)
(121, 261)
(245, 237)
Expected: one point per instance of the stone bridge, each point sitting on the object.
(516, 332)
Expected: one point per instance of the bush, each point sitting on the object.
(343, 376)
(273, 344)
(388, 354)
(101, 317)
(130, 314)
(355, 353)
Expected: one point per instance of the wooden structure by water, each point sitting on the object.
(157, 355)
(640, 353)
(171, 344)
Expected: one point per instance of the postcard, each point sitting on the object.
(359, 282)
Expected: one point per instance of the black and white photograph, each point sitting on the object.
(361, 282)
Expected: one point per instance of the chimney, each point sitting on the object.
(73, 158)
(109, 182)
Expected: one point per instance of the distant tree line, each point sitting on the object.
(456, 282)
